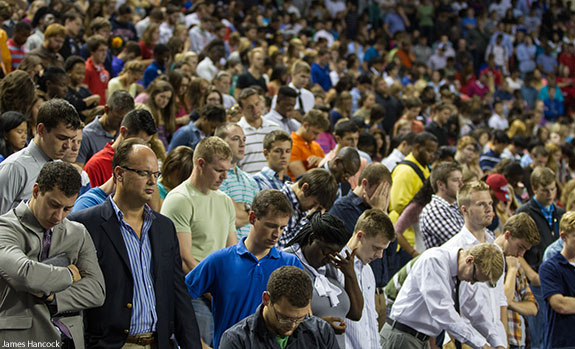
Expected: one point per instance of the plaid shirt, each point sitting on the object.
(269, 179)
(439, 221)
(547, 212)
(516, 326)
(296, 221)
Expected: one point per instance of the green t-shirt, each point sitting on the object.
(282, 341)
(208, 217)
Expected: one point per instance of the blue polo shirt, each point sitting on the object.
(557, 276)
(320, 75)
(236, 280)
(188, 135)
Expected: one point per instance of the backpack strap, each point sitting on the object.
(414, 166)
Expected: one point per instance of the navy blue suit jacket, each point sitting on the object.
(108, 325)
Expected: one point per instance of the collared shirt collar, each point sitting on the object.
(549, 209)
(241, 249)
(148, 212)
(441, 201)
(470, 239)
(273, 174)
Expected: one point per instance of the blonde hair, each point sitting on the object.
(465, 141)
(517, 128)
(133, 66)
(489, 260)
(567, 224)
(300, 67)
(253, 52)
(211, 148)
(464, 194)
(185, 56)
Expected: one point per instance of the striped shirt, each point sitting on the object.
(144, 317)
(254, 159)
(241, 187)
(17, 52)
(488, 160)
(269, 179)
(296, 221)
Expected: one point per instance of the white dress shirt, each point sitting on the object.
(306, 97)
(486, 319)
(207, 69)
(363, 333)
(393, 159)
(288, 125)
(426, 299)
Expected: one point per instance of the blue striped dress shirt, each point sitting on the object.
(144, 317)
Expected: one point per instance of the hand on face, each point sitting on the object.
(379, 199)
(343, 264)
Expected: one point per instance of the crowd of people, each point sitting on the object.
(287, 174)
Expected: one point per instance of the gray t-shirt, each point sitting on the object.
(94, 139)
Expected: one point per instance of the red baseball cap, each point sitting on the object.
(499, 185)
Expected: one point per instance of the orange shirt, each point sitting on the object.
(301, 150)
(416, 125)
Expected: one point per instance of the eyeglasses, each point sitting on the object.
(144, 173)
(286, 320)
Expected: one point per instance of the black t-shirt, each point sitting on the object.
(439, 131)
(246, 80)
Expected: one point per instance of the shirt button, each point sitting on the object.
(129, 305)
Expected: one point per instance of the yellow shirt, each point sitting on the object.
(5, 53)
(405, 184)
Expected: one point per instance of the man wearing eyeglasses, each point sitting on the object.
(427, 303)
(136, 124)
(282, 320)
(483, 307)
(139, 256)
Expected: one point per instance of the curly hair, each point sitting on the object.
(61, 175)
(17, 92)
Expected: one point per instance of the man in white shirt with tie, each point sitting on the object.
(300, 75)
(426, 304)
(490, 316)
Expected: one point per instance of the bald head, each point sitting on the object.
(345, 164)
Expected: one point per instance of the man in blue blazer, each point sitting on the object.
(139, 256)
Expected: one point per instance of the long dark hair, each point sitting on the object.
(326, 227)
(9, 121)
